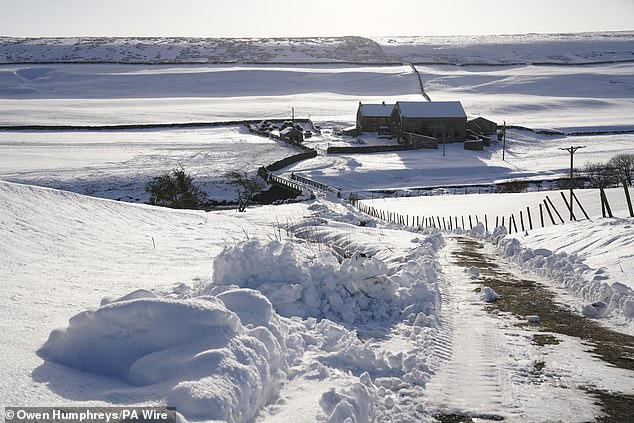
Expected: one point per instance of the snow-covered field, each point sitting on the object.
(568, 98)
(118, 164)
(108, 94)
(311, 311)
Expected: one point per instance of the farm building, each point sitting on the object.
(292, 134)
(374, 117)
(438, 119)
(481, 125)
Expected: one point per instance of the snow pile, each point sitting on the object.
(302, 282)
(488, 295)
(570, 271)
(218, 358)
(351, 405)
(473, 272)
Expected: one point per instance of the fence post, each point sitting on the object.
(522, 221)
(530, 219)
(605, 206)
(514, 225)
(496, 221)
(549, 213)
(470, 223)
(627, 197)
(555, 209)
(541, 214)
(456, 220)
(569, 206)
(486, 223)
(503, 223)
(580, 206)
(462, 221)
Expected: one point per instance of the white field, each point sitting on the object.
(118, 164)
(120, 94)
(528, 156)
(569, 98)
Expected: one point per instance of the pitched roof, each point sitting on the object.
(431, 109)
(376, 110)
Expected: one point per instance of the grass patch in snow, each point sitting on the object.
(617, 408)
(524, 297)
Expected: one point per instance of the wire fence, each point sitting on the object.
(538, 210)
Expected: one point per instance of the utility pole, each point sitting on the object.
(572, 150)
(503, 140)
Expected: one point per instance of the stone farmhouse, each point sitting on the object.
(437, 119)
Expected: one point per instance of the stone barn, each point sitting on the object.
(432, 119)
(481, 125)
(374, 117)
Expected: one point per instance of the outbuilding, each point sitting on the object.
(292, 134)
(443, 120)
(481, 125)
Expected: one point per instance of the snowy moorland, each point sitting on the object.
(313, 311)
(499, 49)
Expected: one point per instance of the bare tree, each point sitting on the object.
(248, 187)
(624, 165)
(600, 175)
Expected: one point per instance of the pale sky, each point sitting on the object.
(282, 18)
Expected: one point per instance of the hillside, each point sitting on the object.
(496, 49)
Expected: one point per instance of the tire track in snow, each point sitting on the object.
(471, 381)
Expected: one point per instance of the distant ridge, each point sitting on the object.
(538, 49)
(191, 50)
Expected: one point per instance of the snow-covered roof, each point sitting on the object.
(376, 110)
(431, 109)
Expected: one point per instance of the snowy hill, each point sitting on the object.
(498, 49)
(190, 50)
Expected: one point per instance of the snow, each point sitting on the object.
(488, 295)
(118, 164)
(433, 109)
(510, 49)
(528, 156)
(310, 311)
(376, 110)
(190, 50)
(567, 98)
(109, 94)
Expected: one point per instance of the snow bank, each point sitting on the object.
(341, 298)
(218, 358)
(302, 282)
(570, 272)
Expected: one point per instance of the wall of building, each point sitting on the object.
(454, 128)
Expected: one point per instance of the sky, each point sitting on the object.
(297, 18)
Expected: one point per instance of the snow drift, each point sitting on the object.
(300, 282)
(217, 358)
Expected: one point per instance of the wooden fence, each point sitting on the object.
(521, 221)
